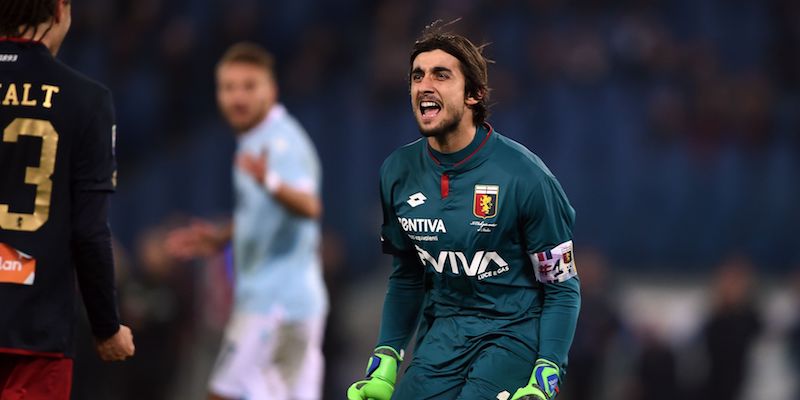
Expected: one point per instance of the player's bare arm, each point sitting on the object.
(201, 238)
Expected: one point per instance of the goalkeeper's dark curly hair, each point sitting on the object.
(27, 14)
(473, 64)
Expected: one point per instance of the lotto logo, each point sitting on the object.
(416, 199)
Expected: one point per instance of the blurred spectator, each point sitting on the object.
(157, 299)
(731, 330)
(335, 346)
(710, 78)
(159, 303)
(92, 379)
(661, 117)
(598, 325)
(656, 375)
(794, 335)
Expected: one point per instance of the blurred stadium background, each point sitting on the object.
(672, 125)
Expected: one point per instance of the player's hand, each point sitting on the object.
(198, 239)
(255, 166)
(381, 375)
(117, 347)
(543, 384)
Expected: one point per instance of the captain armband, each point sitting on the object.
(554, 265)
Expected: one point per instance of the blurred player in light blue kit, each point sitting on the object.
(272, 345)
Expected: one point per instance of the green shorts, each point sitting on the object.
(470, 358)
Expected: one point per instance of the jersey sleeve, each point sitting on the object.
(95, 166)
(548, 220)
(548, 216)
(94, 261)
(93, 180)
(393, 239)
(405, 292)
(403, 302)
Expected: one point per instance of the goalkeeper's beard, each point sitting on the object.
(444, 128)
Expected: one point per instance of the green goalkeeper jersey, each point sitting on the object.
(483, 233)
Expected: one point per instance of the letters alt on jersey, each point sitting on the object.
(27, 94)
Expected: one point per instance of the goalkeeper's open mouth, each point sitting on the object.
(428, 110)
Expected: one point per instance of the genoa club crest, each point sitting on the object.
(485, 201)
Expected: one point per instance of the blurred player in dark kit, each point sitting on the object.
(58, 171)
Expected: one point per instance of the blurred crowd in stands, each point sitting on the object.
(673, 125)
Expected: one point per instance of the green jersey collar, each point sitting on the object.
(466, 158)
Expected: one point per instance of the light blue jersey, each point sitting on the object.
(276, 252)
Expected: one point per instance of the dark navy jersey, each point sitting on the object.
(57, 144)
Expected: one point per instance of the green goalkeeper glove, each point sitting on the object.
(381, 375)
(543, 384)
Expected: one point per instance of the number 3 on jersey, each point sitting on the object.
(39, 176)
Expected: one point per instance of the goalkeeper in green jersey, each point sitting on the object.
(481, 235)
